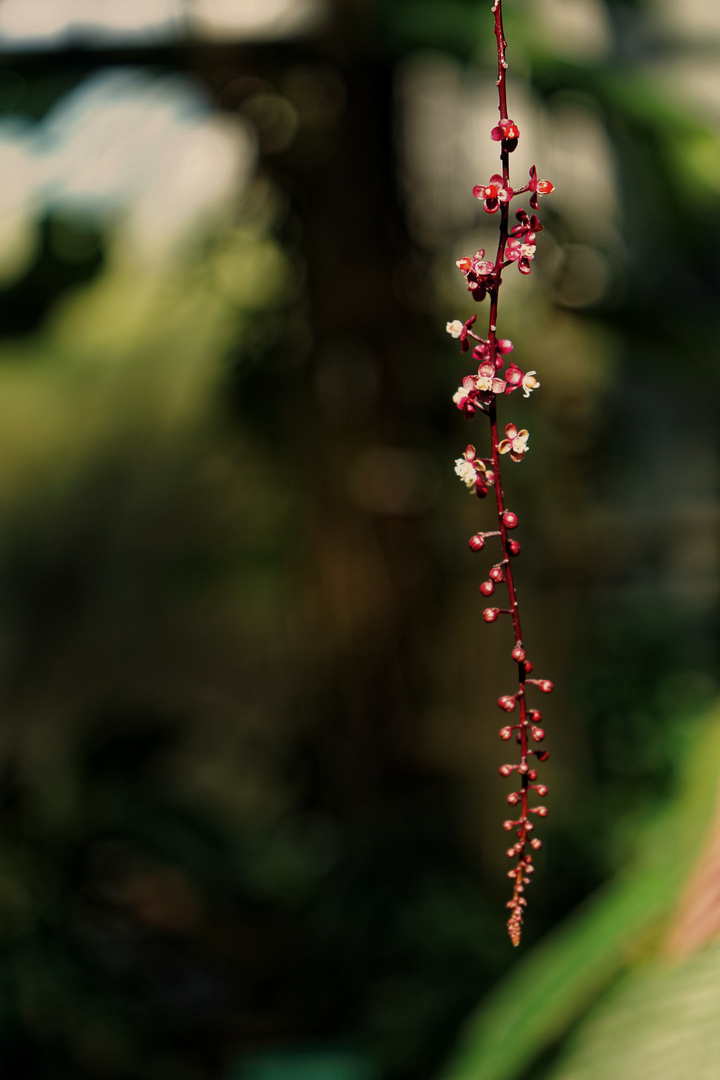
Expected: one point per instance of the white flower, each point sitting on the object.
(529, 383)
(466, 472)
(454, 328)
(516, 442)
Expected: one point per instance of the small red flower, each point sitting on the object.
(526, 224)
(506, 132)
(493, 194)
(513, 377)
(538, 187)
(521, 251)
(477, 271)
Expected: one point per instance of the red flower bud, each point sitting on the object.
(523, 768)
(513, 798)
(541, 790)
(545, 685)
(477, 542)
(487, 588)
(537, 734)
(505, 770)
(508, 825)
(535, 716)
(507, 703)
(528, 667)
(496, 574)
(535, 843)
(518, 654)
(532, 775)
(513, 547)
(509, 519)
(542, 755)
(506, 733)
(541, 811)
(490, 614)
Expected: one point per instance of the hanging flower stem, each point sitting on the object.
(479, 394)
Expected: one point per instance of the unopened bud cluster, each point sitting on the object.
(479, 394)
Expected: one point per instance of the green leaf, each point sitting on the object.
(558, 980)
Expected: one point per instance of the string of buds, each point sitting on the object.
(479, 394)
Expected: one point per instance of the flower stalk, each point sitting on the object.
(480, 394)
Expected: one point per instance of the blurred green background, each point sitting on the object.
(249, 803)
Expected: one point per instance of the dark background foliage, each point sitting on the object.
(249, 815)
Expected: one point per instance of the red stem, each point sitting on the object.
(523, 860)
(502, 63)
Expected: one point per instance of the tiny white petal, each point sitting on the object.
(454, 328)
(529, 383)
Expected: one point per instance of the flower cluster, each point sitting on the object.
(477, 391)
(482, 392)
(478, 273)
(521, 244)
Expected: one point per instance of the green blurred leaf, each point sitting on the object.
(554, 985)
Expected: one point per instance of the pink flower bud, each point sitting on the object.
(532, 775)
(518, 654)
(545, 685)
(505, 770)
(510, 853)
(513, 547)
(470, 453)
(507, 703)
(535, 843)
(513, 798)
(523, 768)
(509, 519)
(541, 811)
(508, 825)
(490, 614)
(506, 733)
(542, 790)
(535, 716)
(504, 346)
(496, 574)
(487, 588)
(537, 734)
(477, 542)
